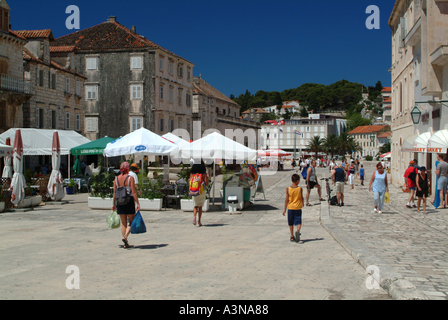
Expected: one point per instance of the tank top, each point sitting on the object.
(295, 198)
(313, 174)
(379, 184)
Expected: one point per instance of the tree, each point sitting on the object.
(330, 144)
(315, 144)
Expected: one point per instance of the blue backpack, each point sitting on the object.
(304, 173)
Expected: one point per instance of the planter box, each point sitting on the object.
(187, 205)
(2, 206)
(100, 203)
(69, 190)
(153, 204)
(24, 203)
(36, 200)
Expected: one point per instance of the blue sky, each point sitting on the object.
(246, 44)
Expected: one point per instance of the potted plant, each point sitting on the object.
(101, 190)
(70, 187)
(151, 195)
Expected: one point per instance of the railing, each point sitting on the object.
(11, 83)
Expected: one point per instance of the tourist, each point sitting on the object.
(441, 172)
(133, 172)
(339, 177)
(352, 174)
(361, 174)
(127, 211)
(410, 175)
(199, 200)
(294, 204)
(311, 182)
(378, 184)
(422, 189)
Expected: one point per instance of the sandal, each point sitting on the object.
(322, 199)
(194, 220)
(309, 205)
(126, 244)
(292, 239)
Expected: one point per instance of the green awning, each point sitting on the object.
(94, 147)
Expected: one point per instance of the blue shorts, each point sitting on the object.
(413, 188)
(294, 217)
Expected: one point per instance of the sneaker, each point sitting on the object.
(379, 211)
(297, 237)
(374, 210)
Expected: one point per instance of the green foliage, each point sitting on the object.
(102, 184)
(369, 158)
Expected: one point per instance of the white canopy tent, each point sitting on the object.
(421, 142)
(216, 146)
(438, 143)
(39, 141)
(5, 150)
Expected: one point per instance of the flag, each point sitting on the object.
(280, 129)
(298, 132)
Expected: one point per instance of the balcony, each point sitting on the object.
(14, 84)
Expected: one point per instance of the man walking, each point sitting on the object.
(339, 177)
(410, 176)
(441, 172)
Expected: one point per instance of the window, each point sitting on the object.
(3, 113)
(67, 120)
(53, 119)
(136, 123)
(179, 124)
(180, 70)
(161, 92)
(171, 125)
(171, 67)
(67, 84)
(136, 63)
(136, 92)
(78, 88)
(188, 74)
(179, 96)
(91, 63)
(53, 81)
(77, 122)
(161, 64)
(41, 78)
(188, 99)
(39, 118)
(171, 95)
(161, 124)
(91, 124)
(92, 92)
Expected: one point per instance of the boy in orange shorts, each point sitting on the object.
(294, 204)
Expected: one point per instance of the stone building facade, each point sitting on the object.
(131, 81)
(14, 88)
(58, 100)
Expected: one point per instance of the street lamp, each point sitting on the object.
(416, 114)
(372, 137)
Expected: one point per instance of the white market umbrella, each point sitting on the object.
(18, 182)
(216, 146)
(55, 188)
(6, 151)
(438, 143)
(141, 141)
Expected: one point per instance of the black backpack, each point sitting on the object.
(413, 176)
(333, 201)
(121, 194)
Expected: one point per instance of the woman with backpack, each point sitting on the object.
(198, 179)
(125, 203)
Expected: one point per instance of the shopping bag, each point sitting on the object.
(138, 225)
(113, 221)
(387, 198)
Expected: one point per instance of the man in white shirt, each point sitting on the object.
(133, 172)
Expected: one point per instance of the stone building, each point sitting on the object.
(131, 81)
(214, 110)
(370, 138)
(58, 100)
(14, 88)
(419, 81)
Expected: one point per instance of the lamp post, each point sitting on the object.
(416, 115)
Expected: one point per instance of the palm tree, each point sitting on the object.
(315, 144)
(347, 143)
(330, 144)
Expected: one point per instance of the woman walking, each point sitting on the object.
(378, 184)
(126, 211)
(352, 173)
(422, 188)
(198, 172)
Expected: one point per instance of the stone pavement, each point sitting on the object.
(410, 248)
(245, 256)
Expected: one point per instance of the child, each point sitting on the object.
(361, 174)
(294, 203)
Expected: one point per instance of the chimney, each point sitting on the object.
(112, 19)
(134, 31)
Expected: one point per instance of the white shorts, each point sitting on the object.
(351, 178)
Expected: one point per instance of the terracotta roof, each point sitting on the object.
(385, 135)
(200, 86)
(33, 34)
(62, 48)
(257, 110)
(27, 55)
(387, 89)
(387, 99)
(14, 33)
(368, 129)
(109, 35)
